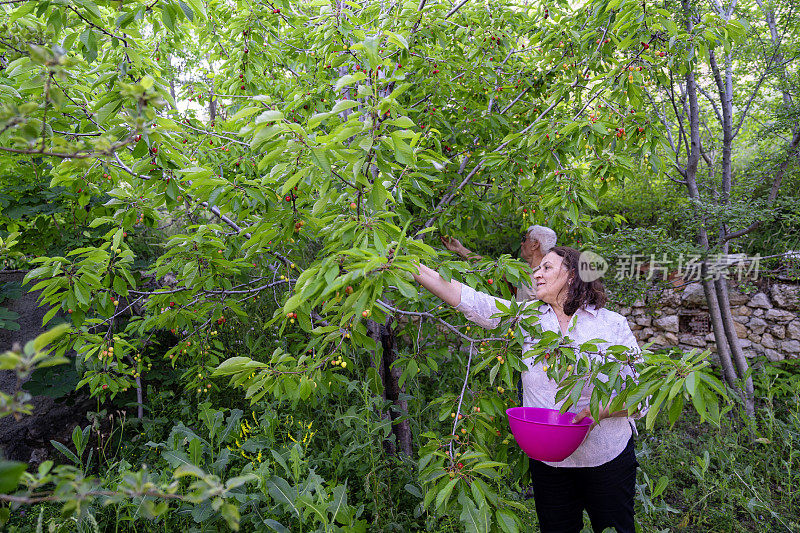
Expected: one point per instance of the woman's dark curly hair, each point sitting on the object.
(579, 293)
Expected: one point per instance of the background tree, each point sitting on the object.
(723, 62)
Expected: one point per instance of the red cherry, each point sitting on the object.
(243, 87)
(490, 281)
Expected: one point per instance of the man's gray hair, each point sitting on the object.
(545, 236)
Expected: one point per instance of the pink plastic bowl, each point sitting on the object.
(546, 434)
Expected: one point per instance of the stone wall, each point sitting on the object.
(767, 321)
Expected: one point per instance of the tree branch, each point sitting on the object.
(456, 8)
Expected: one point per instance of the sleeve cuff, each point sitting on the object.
(467, 302)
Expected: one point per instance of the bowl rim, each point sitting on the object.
(583, 424)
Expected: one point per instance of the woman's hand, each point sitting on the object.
(587, 412)
(449, 291)
(603, 413)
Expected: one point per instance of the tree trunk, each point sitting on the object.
(392, 390)
(693, 157)
(725, 91)
(385, 355)
(721, 287)
(723, 350)
(374, 331)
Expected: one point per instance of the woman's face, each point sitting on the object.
(551, 279)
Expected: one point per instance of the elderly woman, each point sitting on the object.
(600, 476)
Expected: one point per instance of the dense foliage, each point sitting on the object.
(225, 201)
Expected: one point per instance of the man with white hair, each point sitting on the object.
(536, 242)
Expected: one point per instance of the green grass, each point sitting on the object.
(739, 477)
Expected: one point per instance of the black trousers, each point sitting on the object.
(605, 491)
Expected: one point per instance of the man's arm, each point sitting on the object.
(454, 245)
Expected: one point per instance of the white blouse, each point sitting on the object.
(609, 438)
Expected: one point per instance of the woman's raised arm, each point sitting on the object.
(448, 291)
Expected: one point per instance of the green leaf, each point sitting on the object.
(475, 520)
(401, 122)
(244, 113)
(402, 151)
(49, 315)
(186, 10)
(342, 105)
(50, 336)
(349, 79)
(338, 504)
(272, 115)
(507, 520)
(10, 474)
(444, 494)
(320, 158)
(691, 383)
(280, 491)
(663, 481)
(276, 526)
(168, 17)
(66, 451)
(397, 39)
(198, 6)
(23, 10)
